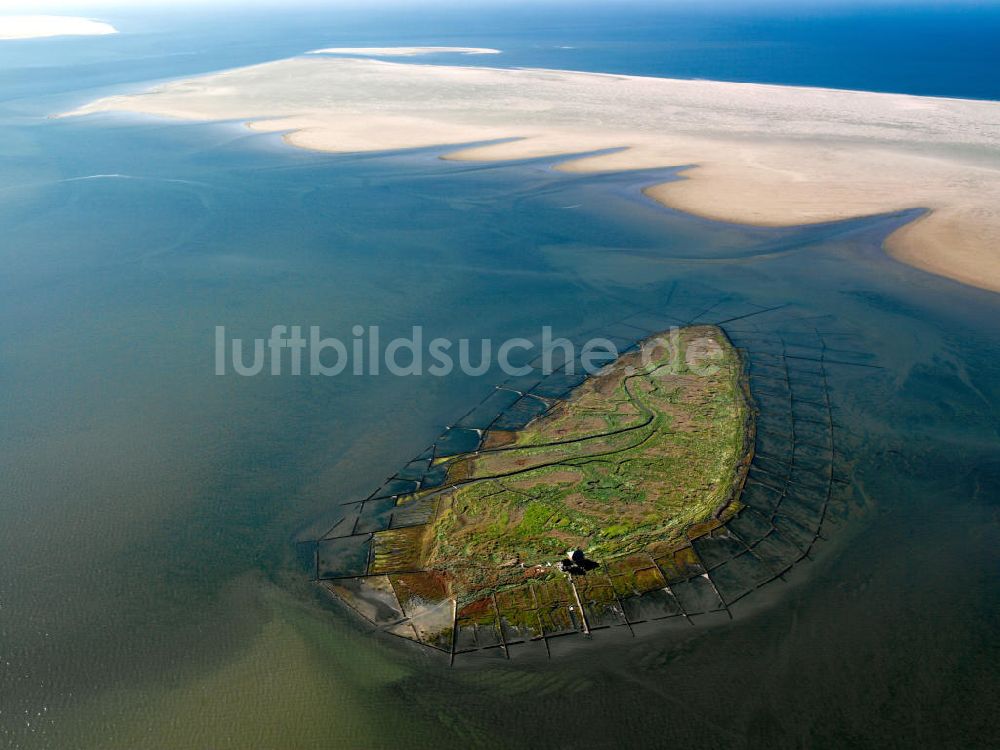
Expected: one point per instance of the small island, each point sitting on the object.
(639, 459)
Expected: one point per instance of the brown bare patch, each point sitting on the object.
(498, 438)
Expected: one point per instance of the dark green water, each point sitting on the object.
(150, 593)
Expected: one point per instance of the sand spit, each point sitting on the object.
(760, 154)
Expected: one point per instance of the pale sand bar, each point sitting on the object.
(38, 27)
(403, 51)
(769, 155)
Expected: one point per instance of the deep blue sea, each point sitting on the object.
(151, 512)
(939, 49)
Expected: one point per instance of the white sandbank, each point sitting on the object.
(403, 51)
(769, 155)
(36, 27)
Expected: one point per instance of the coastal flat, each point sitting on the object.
(759, 154)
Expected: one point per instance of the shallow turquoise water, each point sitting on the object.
(150, 593)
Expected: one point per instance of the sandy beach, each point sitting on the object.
(758, 154)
